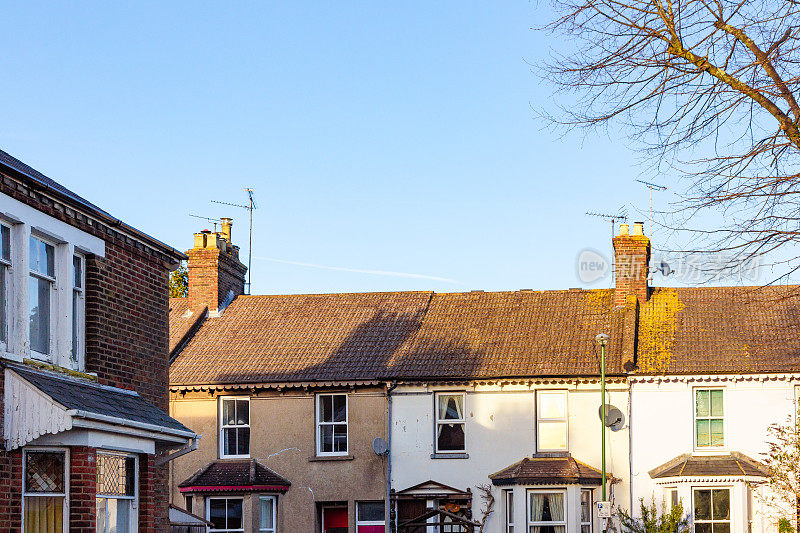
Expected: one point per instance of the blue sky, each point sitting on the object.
(390, 137)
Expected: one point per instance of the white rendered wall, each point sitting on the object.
(500, 431)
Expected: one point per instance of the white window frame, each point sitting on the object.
(360, 523)
(78, 325)
(51, 356)
(134, 516)
(223, 427)
(318, 423)
(6, 268)
(541, 420)
(274, 528)
(671, 496)
(508, 506)
(590, 523)
(712, 488)
(724, 418)
(555, 490)
(226, 498)
(65, 494)
(449, 421)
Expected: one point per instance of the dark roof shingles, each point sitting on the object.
(546, 470)
(235, 473)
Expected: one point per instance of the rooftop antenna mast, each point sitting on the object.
(652, 187)
(214, 221)
(251, 205)
(621, 214)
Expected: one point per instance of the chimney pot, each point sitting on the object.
(227, 223)
(623, 230)
(638, 228)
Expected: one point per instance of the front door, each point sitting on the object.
(334, 520)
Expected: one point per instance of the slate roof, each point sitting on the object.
(236, 475)
(720, 330)
(85, 395)
(548, 470)
(401, 335)
(733, 464)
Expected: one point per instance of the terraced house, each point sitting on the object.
(84, 360)
(424, 412)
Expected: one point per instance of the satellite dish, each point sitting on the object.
(665, 269)
(380, 446)
(614, 419)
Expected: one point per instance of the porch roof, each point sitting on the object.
(548, 470)
(732, 464)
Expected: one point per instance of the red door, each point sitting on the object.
(334, 520)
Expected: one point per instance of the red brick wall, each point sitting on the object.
(632, 256)
(212, 275)
(82, 489)
(10, 491)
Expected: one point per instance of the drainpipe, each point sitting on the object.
(630, 441)
(389, 390)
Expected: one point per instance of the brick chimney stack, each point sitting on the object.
(216, 275)
(631, 259)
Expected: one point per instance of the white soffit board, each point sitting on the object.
(16, 211)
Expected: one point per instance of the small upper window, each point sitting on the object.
(5, 281)
(551, 421)
(332, 424)
(40, 292)
(78, 310)
(235, 427)
(709, 414)
(450, 422)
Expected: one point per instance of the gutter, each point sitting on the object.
(80, 413)
(101, 215)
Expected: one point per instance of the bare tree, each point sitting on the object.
(707, 89)
(783, 463)
(487, 497)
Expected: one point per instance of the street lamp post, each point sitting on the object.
(602, 340)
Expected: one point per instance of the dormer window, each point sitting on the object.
(40, 293)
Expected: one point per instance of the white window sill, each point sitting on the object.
(450, 455)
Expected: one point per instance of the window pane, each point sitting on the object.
(76, 319)
(701, 404)
(117, 515)
(33, 254)
(229, 441)
(716, 402)
(339, 408)
(721, 508)
(370, 511)
(216, 514)
(228, 412)
(586, 506)
(3, 305)
(552, 405)
(77, 272)
(326, 408)
(266, 518)
(450, 437)
(100, 506)
(717, 433)
(243, 441)
(115, 474)
(242, 412)
(5, 243)
(722, 528)
(326, 439)
(702, 528)
(44, 472)
(552, 435)
(703, 433)
(234, 514)
(39, 294)
(556, 501)
(340, 438)
(702, 505)
(451, 406)
(44, 514)
(46, 263)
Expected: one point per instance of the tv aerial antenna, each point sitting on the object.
(652, 187)
(621, 214)
(214, 221)
(250, 206)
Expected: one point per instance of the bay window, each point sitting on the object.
(450, 422)
(546, 512)
(44, 491)
(225, 514)
(235, 427)
(116, 493)
(551, 421)
(332, 424)
(40, 293)
(267, 514)
(712, 510)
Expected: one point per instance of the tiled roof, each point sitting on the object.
(547, 470)
(233, 475)
(733, 464)
(720, 330)
(183, 321)
(403, 335)
(88, 396)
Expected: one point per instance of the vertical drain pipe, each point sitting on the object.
(389, 390)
